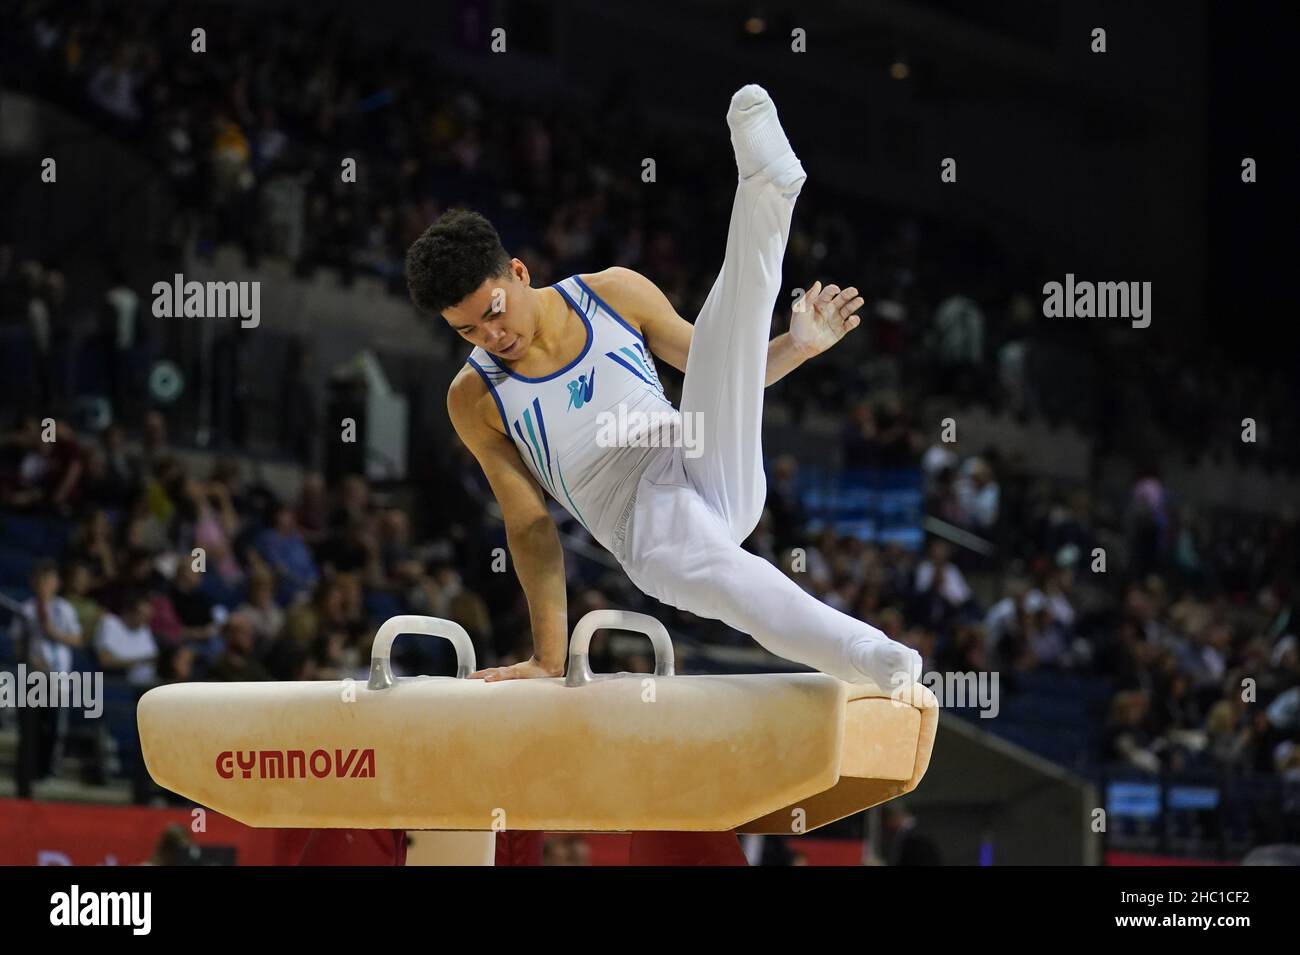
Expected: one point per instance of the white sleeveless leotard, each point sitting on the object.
(557, 421)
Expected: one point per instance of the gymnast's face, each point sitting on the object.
(500, 317)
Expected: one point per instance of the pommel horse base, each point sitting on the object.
(757, 753)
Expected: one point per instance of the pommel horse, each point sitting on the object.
(782, 753)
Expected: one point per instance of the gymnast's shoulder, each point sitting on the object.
(629, 293)
(467, 401)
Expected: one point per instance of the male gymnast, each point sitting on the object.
(551, 365)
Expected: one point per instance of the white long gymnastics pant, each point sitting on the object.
(691, 514)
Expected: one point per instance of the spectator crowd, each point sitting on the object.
(250, 144)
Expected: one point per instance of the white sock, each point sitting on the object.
(759, 141)
(887, 663)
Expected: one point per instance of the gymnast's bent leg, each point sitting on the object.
(682, 553)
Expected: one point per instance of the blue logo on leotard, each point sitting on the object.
(580, 389)
(639, 363)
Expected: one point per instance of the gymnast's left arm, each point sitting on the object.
(820, 319)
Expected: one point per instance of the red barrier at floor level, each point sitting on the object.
(614, 848)
(1150, 858)
(519, 848)
(685, 848)
(59, 833)
(354, 847)
(64, 833)
(608, 848)
(383, 847)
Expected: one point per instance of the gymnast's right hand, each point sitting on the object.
(529, 669)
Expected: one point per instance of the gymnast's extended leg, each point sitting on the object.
(687, 539)
(727, 364)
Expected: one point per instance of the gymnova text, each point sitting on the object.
(182, 299)
(954, 690)
(38, 689)
(650, 429)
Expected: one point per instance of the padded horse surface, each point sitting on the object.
(770, 753)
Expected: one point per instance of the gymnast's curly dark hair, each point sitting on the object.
(456, 255)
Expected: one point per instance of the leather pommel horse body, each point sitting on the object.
(765, 753)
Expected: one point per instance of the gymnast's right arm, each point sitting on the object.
(530, 531)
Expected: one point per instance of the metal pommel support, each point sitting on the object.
(579, 670)
(381, 672)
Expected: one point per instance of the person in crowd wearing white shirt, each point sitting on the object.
(1003, 619)
(1045, 638)
(45, 631)
(978, 493)
(125, 643)
(937, 576)
(939, 457)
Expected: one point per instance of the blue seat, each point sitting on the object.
(1048, 710)
(15, 567)
(219, 592)
(120, 699)
(882, 505)
(382, 604)
(84, 659)
(38, 536)
(1065, 746)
